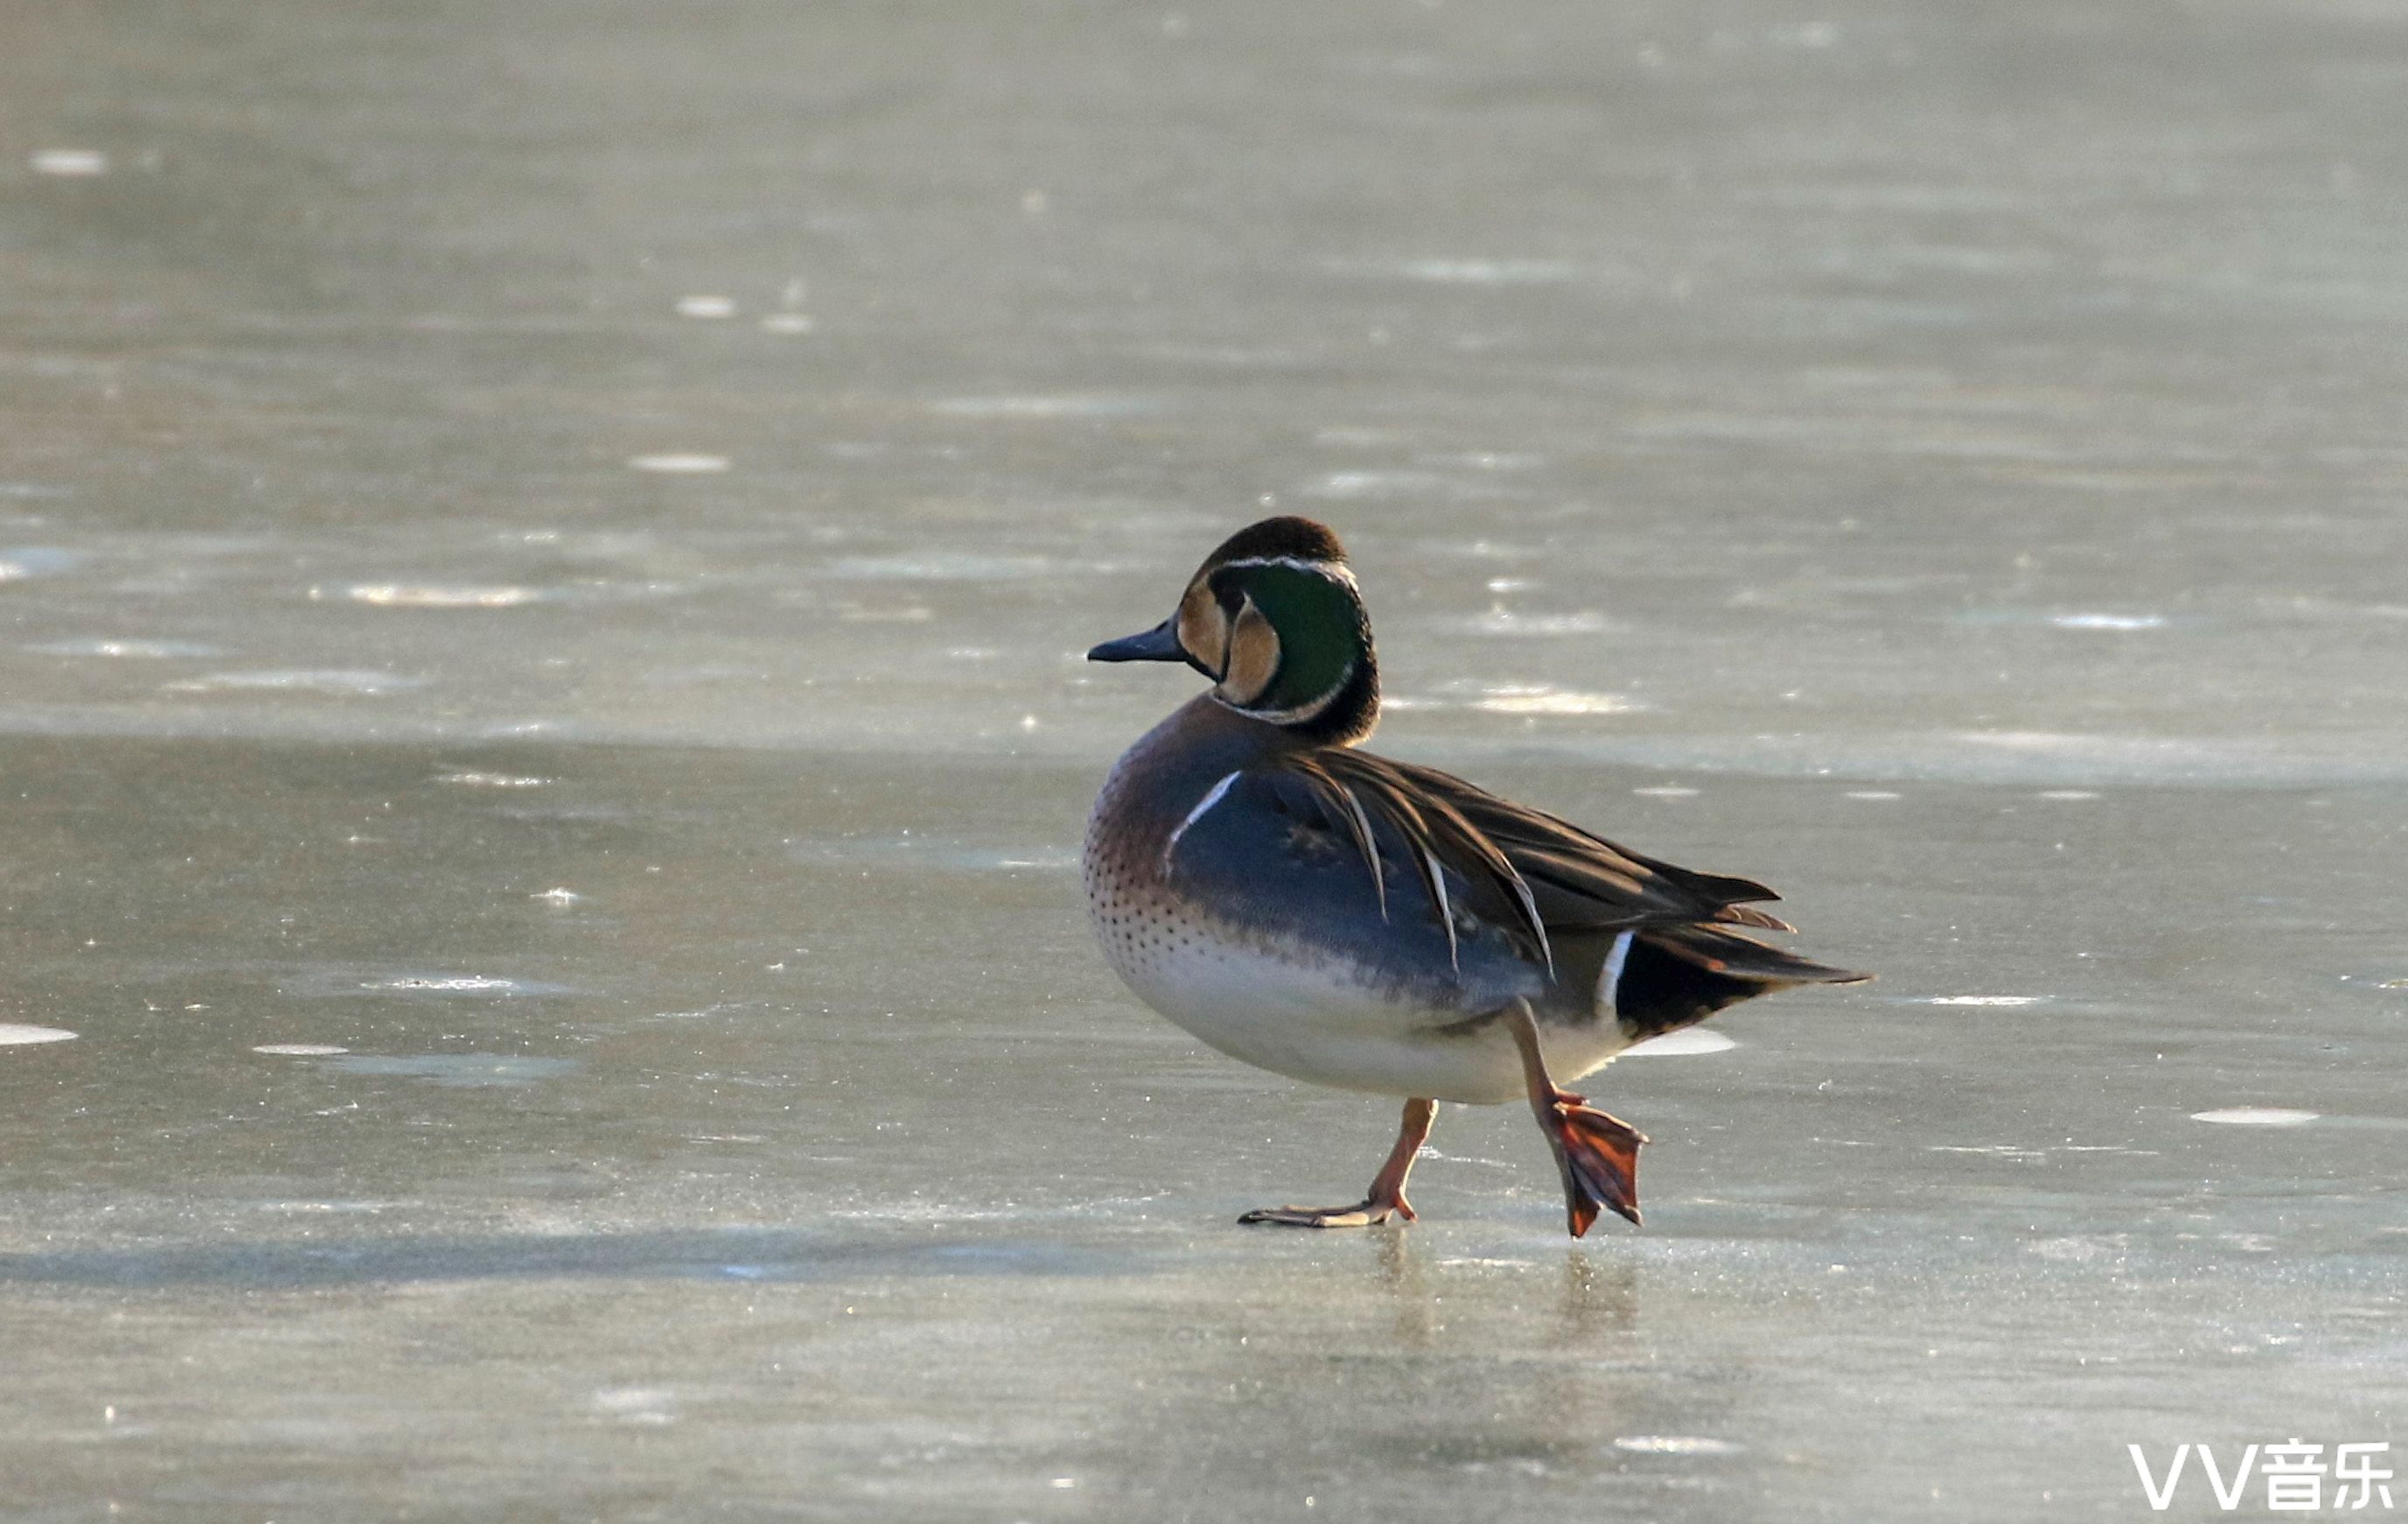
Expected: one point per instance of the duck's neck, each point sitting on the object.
(1340, 717)
(1351, 713)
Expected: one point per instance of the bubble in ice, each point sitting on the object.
(932, 850)
(1872, 794)
(1985, 999)
(1508, 622)
(788, 323)
(2108, 622)
(463, 1070)
(1681, 1045)
(345, 681)
(1674, 1444)
(678, 462)
(1040, 408)
(2071, 1250)
(299, 1050)
(558, 896)
(636, 1403)
(69, 162)
(472, 779)
(435, 595)
(19, 562)
(1491, 272)
(126, 649)
(1485, 460)
(1466, 272)
(2069, 794)
(2257, 1117)
(706, 306)
(1373, 483)
(1543, 700)
(347, 981)
(945, 566)
(1666, 791)
(1049, 859)
(1348, 437)
(13, 1034)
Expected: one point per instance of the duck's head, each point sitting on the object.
(1274, 619)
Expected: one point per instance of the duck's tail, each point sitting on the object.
(1664, 978)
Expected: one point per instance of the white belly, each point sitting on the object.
(1312, 1022)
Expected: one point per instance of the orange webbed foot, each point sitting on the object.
(1598, 1156)
(1368, 1213)
(1386, 1197)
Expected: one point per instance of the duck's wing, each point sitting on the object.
(1286, 853)
(1520, 869)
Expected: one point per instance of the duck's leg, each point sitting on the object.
(1387, 1194)
(1599, 1155)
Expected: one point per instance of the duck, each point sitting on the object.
(1331, 915)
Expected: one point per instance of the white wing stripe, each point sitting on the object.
(1211, 798)
(1445, 906)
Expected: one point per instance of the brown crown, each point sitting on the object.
(1284, 536)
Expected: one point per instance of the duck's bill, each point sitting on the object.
(1160, 644)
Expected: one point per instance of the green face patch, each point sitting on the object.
(1323, 634)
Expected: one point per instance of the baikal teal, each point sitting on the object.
(1311, 908)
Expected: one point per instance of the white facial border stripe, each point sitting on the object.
(1302, 713)
(1337, 571)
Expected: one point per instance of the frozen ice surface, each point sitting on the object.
(1944, 461)
(818, 1118)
